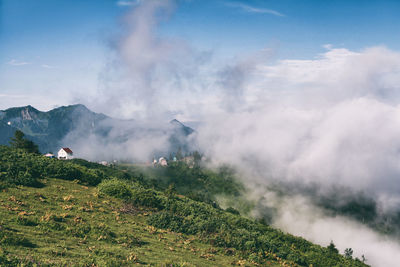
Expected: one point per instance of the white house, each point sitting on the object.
(65, 153)
(162, 161)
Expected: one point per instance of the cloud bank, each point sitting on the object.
(317, 121)
(149, 76)
(298, 216)
(333, 120)
(327, 122)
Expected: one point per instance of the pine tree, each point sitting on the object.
(20, 142)
(179, 155)
(348, 253)
(333, 248)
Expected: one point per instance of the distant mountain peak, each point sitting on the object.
(187, 130)
(28, 113)
(64, 125)
(81, 106)
(74, 107)
(28, 107)
(175, 121)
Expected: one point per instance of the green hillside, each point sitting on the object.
(79, 213)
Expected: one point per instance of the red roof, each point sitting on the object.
(66, 149)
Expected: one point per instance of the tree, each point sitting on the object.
(171, 191)
(197, 157)
(348, 253)
(19, 141)
(179, 155)
(31, 147)
(363, 259)
(332, 248)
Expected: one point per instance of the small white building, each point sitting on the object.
(49, 155)
(162, 161)
(65, 153)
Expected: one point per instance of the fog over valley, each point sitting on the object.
(314, 137)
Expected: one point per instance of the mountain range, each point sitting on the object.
(67, 126)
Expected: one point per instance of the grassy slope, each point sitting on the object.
(62, 211)
(69, 222)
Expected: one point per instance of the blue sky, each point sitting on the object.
(56, 45)
(307, 114)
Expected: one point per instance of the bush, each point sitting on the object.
(253, 240)
(146, 198)
(233, 211)
(116, 188)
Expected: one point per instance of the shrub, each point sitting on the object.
(332, 248)
(116, 188)
(146, 198)
(233, 211)
(254, 241)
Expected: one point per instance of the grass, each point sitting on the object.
(66, 223)
(52, 215)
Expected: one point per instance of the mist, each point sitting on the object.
(299, 216)
(332, 121)
(329, 121)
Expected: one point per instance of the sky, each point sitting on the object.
(290, 91)
(51, 51)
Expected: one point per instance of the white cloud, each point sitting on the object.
(315, 120)
(17, 100)
(151, 76)
(330, 120)
(48, 66)
(128, 3)
(15, 62)
(12, 96)
(299, 217)
(328, 46)
(251, 9)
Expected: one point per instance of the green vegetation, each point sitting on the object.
(20, 142)
(115, 188)
(74, 225)
(361, 207)
(193, 181)
(342, 201)
(21, 168)
(84, 214)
